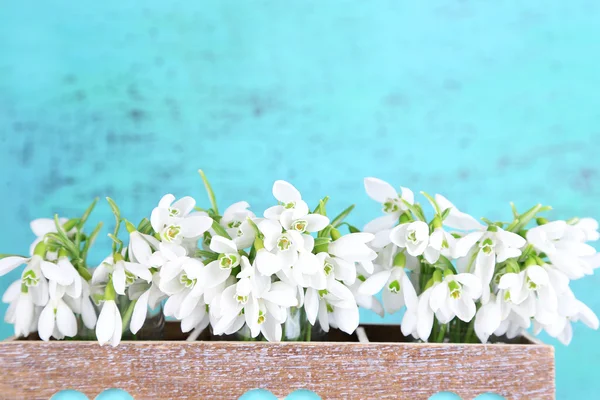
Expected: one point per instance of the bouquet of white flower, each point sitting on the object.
(478, 280)
(294, 274)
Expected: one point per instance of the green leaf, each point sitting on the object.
(90, 240)
(208, 255)
(115, 239)
(211, 194)
(325, 232)
(415, 209)
(87, 213)
(145, 227)
(219, 230)
(114, 208)
(321, 207)
(446, 212)
(433, 203)
(340, 218)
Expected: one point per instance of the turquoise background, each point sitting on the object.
(484, 102)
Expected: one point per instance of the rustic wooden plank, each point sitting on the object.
(225, 370)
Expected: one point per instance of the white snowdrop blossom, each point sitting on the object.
(290, 201)
(392, 206)
(110, 326)
(487, 248)
(296, 274)
(175, 222)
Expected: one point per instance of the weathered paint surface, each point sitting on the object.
(483, 102)
(217, 370)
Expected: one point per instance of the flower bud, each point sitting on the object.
(259, 244)
(40, 249)
(335, 234)
(541, 221)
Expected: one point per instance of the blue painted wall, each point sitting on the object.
(484, 102)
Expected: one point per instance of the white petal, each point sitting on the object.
(425, 316)
(285, 192)
(214, 274)
(12, 293)
(379, 190)
(222, 245)
(374, 283)
(282, 294)
(273, 213)
(398, 235)
(537, 274)
(308, 263)
(139, 313)
(7, 264)
(511, 239)
(166, 201)
(316, 222)
(407, 195)
(439, 296)
(139, 270)
(46, 322)
(464, 308)
(381, 223)
(392, 302)
(185, 205)
(41, 226)
(194, 226)
(140, 248)
(118, 280)
(55, 273)
(311, 305)
(118, 330)
(267, 262)
(347, 319)
(65, 320)
(106, 322)
(464, 244)
(487, 321)
(159, 218)
(88, 313)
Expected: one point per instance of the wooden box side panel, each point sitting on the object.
(226, 370)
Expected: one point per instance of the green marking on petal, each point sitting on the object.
(394, 286)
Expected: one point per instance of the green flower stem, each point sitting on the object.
(469, 336)
(442, 333)
(127, 316)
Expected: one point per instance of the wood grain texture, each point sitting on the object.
(226, 370)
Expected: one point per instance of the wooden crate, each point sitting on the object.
(340, 368)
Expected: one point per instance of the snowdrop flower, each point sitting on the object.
(413, 236)
(488, 248)
(304, 223)
(216, 272)
(32, 277)
(181, 280)
(440, 243)
(570, 310)
(488, 318)
(564, 247)
(353, 248)
(175, 222)
(290, 201)
(110, 326)
(148, 296)
(455, 296)
(393, 279)
(235, 222)
(392, 205)
(57, 320)
(281, 249)
(21, 311)
(123, 273)
(334, 306)
(533, 281)
(141, 247)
